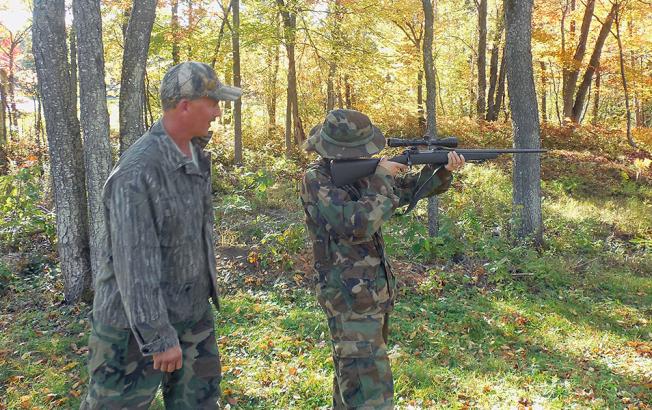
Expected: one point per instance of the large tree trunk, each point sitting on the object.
(94, 119)
(570, 74)
(623, 77)
(134, 62)
(50, 56)
(482, 59)
(237, 112)
(594, 63)
(526, 199)
(431, 113)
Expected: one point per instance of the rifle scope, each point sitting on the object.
(449, 142)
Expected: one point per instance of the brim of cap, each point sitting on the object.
(226, 93)
(329, 150)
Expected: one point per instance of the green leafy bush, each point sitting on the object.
(23, 215)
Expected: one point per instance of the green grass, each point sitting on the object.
(480, 322)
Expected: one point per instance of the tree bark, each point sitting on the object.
(481, 105)
(431, 113)
(594, 63)
(570, 74)
(51, 58)
(73, 67)
(134, 62)
(237, 111)
(526, 198)
(94, 119)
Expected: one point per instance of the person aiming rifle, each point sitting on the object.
(356, 285)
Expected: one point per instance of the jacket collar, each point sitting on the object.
(171, 156)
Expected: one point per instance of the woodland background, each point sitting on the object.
(494, 311)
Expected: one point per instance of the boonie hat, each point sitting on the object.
(193, 80)
(345, 134)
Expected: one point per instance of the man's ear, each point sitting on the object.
(183, 105)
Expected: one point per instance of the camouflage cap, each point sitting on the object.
(193, 80)
(345, 134)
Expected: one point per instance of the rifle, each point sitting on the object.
(347, 171)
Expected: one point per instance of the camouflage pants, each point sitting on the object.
(363, 378)
(122, 378)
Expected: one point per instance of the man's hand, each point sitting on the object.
(455, 161)
(391, 167)
(169, 360)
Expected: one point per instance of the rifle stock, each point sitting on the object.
(345, 172)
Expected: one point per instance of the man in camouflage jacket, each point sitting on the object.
(356, 286)
(152, 322)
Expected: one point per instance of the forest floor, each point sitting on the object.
(479, 322)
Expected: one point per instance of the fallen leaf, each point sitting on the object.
(292, 371)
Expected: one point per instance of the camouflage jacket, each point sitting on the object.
(345, 227)
(160, 266)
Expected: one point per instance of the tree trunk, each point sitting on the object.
(555, 89)
(290, 25)
(623, 77)
(596, 99)
(134, 62)
(191, 22)
(348, 98)
(11, 91)
(237, 112)
(273, 57)
(472, 88)
(420, 111)
(526, 199)
(94, 119)
(594, 63)
(330, 86)
(51, 58)
(218, 43)
(570, 74)
(39, 118)
(544, 92)
(340, 98)
(174, 26)
(482, 59)
(73, 67)
(431, 113)
(3, 108)
(500, 91)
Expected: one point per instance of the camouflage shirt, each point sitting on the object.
(345, 227)
(160, 265)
